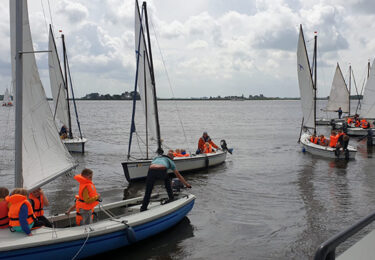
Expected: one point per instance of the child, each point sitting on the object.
(87, 197)
(4, 220)
(38, 200)
(21, 215)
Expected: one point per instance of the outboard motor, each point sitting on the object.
(177, 185)
(224, 146)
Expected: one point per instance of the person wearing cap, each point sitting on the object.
(159, 171)
(203, 140)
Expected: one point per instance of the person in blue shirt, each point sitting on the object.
(159, 170)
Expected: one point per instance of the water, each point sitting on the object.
(267, 201)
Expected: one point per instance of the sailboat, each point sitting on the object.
(367, 105)
(41, 157)
(7, 101)
(308, 89)
(145, 81)
(60, 93)
(338, 97)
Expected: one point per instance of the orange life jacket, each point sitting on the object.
(4, 220)
(350, 120)
(178, 155)
(364, 123)
(357, 123)
(322, 140)
(85, 183)
(207, 149)
(314, 140)
(79, 218)
(16, 201)
(333, 140)
(38, 204)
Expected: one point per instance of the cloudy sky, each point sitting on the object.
(210, 47)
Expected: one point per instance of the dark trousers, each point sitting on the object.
(42, 221)
(152, 176)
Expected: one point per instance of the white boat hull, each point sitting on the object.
(325, 151)
(356, 131)
(134, 170)
(75, 145)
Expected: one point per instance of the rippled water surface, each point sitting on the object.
(267, 201)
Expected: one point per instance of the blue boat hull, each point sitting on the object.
(99, 244)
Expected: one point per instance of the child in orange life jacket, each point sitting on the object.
(322, 141)
(183, 152)
(87, 198)
(333, 139)
(21, 215)
(4, 220)
(38, 200)
(314, 139)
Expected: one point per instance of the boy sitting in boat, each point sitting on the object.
(322, 140)
(314, 139)
(4, 220)
(38, 200)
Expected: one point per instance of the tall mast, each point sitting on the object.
(315, 83)
(18, 181)
(153, 79)
(66, 86)
(350, 85)
(145, 82)
(368, 68)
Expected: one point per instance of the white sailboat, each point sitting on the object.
(308, 89)
(60, 93)
(145, 81)
(7, 101)
(41, 157)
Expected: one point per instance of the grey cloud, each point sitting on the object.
(279, 40)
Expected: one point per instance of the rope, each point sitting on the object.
(170, 84)
(83, 245)
(50, 15)
(44, 14)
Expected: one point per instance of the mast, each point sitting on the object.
(66, 86)
(144, 78)
(18, 181)
(368, 68)
(152, 78)
(315, 83)
(350, 85)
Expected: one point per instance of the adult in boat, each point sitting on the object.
(339, 111)
(38, 200)
(159, 170)
(203, 140)
(63, 132)
(21, 215)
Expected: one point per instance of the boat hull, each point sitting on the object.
(75, 145)
(109, 237)
(325, 151)
(137, 170)
(356, 131)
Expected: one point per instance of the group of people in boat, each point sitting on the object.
(357, 122)
(206, 145)
(22, 211)
(338, 139)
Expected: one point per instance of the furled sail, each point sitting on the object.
(57, 82)
(368, 102)
(339, 96)
(305, 83)
(6, 98)
(44, 157)
(144, 79)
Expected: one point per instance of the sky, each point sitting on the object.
(200, 47)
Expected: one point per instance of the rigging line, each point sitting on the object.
(50, 15)
(44, 14)
(169, 82)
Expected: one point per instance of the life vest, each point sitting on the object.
(85, 183)
(37, 204)
(16, 201)
(314, 140)
(350, 121)
(4, 220)
(79, 218)
(364, 123)
(207, 149)
(333, 140)
(357, 123)
(322, 140)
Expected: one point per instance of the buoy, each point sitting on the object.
(130, 234)
(303, 149)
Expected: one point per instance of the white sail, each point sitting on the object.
(368, 102)
(57, 83)
(339, 96)
(6, 98)
(44, 157)
(305, 83)
(145, 87)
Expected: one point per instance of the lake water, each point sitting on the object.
(267, 201)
